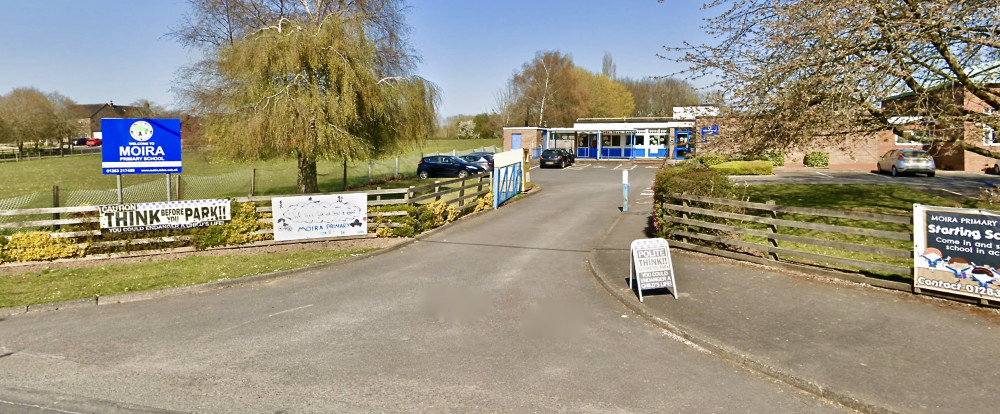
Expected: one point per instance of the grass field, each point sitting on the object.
(883, 199)
(69, 284)
(28, 184)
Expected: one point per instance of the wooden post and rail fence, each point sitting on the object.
(457, 192)
(784, 236)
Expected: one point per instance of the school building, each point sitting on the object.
(622, 138)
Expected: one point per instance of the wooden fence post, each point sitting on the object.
(437, 188)
(772, 228)
(461, 193)
(409, 196)
(55, 203)
(684, 213)
(253, 180)
(378, 197)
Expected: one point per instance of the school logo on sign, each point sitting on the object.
(141, 131)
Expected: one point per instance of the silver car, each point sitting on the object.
(482, 159)
(906, 161)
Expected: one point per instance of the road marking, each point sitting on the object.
(619, 166)
(958, 194)
(827, 176)
(288, 310)
(40, 407)
(650, 166)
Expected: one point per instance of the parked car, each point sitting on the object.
(80, 141)
(446, 166)
(553, 157)
(569, 155)
(93, 142)
(905, 161)
(482, 159)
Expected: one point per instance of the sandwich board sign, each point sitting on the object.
(651, 267)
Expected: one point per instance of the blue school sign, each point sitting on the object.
(141, 146)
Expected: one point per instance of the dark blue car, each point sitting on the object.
(446, 166)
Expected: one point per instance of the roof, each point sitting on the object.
(122, 111)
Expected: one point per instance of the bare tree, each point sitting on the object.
(549, 83)
(802, 70)
(608, 67)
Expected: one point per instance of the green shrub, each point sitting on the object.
(240, 230)
(693, 179)
(817, 159)
(38, 245)
(709, 160)
(744, 168)
(777, 158)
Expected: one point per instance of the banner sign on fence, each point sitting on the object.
(320, 216)
(651, 266)
(507, 175)
(117, 218)
(141, 146)
(957, 251)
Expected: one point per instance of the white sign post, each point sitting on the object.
(651, 266)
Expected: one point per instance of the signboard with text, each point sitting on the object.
(320, 216)
(117, 218)
(957, 251)
(141, 146)
(651, 266)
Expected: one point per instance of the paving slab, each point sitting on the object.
(870, 349)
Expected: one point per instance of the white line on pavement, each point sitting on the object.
(619, 166)
(825, 175)
(958, 194)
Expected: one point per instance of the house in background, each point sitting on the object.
(89, 116)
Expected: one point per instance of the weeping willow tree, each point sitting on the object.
(314, 89)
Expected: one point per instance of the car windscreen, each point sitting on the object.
(550, 153)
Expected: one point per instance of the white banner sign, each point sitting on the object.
(320, 216)
(651, 266)
(117, 218)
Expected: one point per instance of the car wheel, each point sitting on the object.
(996, 168)
(930, 174)
(463, 174)
(423, 174)
(895, 172)
(878, 167)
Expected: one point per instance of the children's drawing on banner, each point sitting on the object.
(320, 216)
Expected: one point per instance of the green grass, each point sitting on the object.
(203, 177)
(68, 284)
(886, 199)
(883, 199)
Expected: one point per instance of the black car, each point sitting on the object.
(553, 157)
(80, 142)
(569, 155)
(446, 166)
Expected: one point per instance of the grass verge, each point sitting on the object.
(883, 199)
(68, 284)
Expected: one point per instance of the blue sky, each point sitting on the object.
(100, 50)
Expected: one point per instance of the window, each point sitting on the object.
(989, 136)
(909, 135)
(616, 140)
(640, 140)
